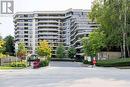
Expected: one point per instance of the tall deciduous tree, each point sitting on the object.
(93, 43)
(44, 49)
(86, 47)
(22, 51)
(60, 51)
(97, 41)
(110, 14)
(9, 45)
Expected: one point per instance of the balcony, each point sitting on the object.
(79, 40)
(78, 34)
(23, 18)
(48, 37)
(80, 54)
(47, 21)
(79, 47)
(47, 25)
(48, 33)
(47, 29)
(50, 17)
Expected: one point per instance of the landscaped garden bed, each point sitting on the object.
(15, 65)
(122, 62)
(9, 67)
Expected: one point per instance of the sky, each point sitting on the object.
(7, 26)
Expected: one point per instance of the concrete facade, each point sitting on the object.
(57, 27)
(108, 55)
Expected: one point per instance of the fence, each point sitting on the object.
(5, 61)
(108, 55)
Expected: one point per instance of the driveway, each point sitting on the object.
(64, 75)
(65, 64)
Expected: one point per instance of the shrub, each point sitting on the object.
(60, 51)
(2, 55)
(44, 63)
(71, 52)
(114, 62)
(18, 64)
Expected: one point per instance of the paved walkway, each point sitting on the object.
(65, 76)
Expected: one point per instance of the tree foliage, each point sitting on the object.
(44, 49)
(71, 52)
(60, 51)
(2, 43)
(86, 46)
(110, 14)
(97, 41)
(93, 43)
(9, 45)
(22, 51)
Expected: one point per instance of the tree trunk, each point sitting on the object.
(127, 46)
(121, 50)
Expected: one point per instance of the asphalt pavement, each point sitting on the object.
(65, 74)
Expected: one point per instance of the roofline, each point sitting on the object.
(60, 11)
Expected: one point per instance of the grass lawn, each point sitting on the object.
(8, 67)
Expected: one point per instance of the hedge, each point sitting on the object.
(114, 62)
(44, 63)
(18, 64)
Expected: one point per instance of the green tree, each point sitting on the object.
(71, 52)
(86, 47)
(60, 51)
(44, 49)
(2, 48)
(97, 41)
(93, 43)
(110, 14)
(22, 51)
(9, 45)
(2, 43)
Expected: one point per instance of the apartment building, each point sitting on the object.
(58, 27)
